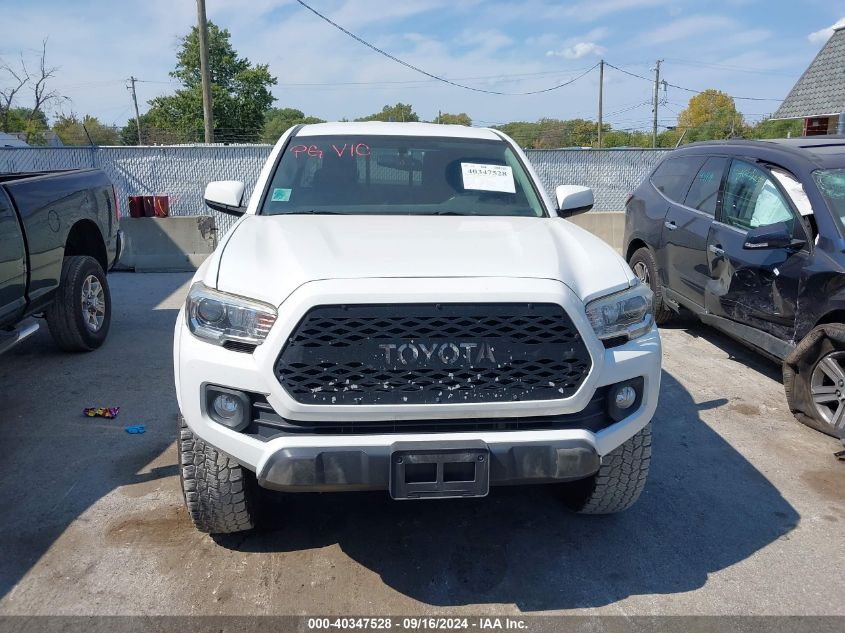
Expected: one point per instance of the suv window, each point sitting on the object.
(704, 190)
(752, 199)
(673, 176)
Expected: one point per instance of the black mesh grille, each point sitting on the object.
(426, 354)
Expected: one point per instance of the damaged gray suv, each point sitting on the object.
(750, 236)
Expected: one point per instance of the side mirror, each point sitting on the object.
(772, 236)
(573, 199)
(225, 196)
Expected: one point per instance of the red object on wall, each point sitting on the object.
(816, 126)
(149, 209)
(149, 206)
(136, 206)
(161, 206)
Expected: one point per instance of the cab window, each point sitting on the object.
(752, 199)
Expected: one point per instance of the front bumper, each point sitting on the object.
(348, 461)
(367, 467)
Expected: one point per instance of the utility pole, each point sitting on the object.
(601, 90)
(656, 98)
(131, 88)
(202, 27)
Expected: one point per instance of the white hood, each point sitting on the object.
(268, 257)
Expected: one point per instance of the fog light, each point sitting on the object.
(228, 407)
(626, 397)
(623, 398)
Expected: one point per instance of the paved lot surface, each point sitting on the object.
(744, 512)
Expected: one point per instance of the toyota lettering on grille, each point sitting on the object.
(433, 353)
(450, 354)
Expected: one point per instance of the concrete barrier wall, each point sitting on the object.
(608, 226)
(166, 244)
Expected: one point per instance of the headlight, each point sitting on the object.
(218, 317)
(626, 313)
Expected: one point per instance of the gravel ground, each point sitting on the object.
(743, 513)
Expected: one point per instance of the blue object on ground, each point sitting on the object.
(136, 429)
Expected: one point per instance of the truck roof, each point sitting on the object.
(381, 128)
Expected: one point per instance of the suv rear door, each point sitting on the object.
(759, 286)
(690, 183)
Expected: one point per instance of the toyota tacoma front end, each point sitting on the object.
(402, 308)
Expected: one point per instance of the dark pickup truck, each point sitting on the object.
(58, 237)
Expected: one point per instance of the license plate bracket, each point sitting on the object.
(422, 470)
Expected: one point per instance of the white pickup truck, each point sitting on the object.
(401, 307)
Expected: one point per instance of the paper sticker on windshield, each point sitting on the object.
(281, 195)
(488, 177)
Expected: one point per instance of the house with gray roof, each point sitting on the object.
(11, 140)
(819, 95)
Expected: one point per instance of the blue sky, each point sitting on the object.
(753, 48)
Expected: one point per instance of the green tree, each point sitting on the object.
(73, 131)
(279, 120)
(398, 112)
(626, 138)
(32, 125)
(240, 93)
(129, 132)
(454, 119)
(710, 115)
(525, 133)
(769, 128)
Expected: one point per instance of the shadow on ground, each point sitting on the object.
(705, 508)
(735, 350)
(58, 463)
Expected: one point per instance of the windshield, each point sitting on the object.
(831, 183)
(399, 175)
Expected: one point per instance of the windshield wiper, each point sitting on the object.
(314, 212)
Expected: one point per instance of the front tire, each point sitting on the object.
(618, 483)
(219, 493)
(80, 315)
(643, 264)
(814, 380)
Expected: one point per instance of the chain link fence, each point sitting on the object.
(181, 172)
(611, 173)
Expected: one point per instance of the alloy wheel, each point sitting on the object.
(93, 303)
(827, 386)
(641, 271)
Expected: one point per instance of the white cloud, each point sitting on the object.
(578, 50)
(823, 35)
(582, 45)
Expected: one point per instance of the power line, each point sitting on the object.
(498, 78)
(629, 108)
(687, 89)
(687, 62)
(431, 75)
